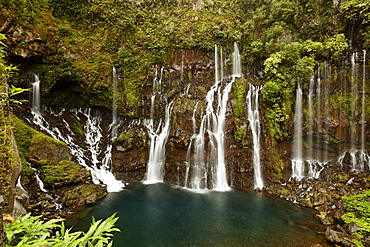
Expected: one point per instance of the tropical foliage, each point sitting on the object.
(34, 232)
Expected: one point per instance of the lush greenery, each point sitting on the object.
(34, 232)
(358, 211)
(135, 35)
(8, 160)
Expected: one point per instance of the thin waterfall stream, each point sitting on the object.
(255, 125)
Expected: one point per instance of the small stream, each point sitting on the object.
(163, 215)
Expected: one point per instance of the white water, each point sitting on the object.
(87, 157)
(38, 180)
(237, 69)
(359, 160)
(310, 117)
(208, 160)
(114, 125)
(318, 110)
(157, 152)
(354, 93)
(36, 105)
(158, 135)
(297, 161)
(363, 113)
(254, 123)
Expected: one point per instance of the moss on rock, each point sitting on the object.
(62, 174)
(43, 147)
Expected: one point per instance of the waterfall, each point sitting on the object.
(354, 93)
(87, 157)
(216, 66)
(318, 110)
(221, 63)
(157, 151)
(359, 159)
(237, 71)
(363, 113)
(326, 110)
(297, 161)
(254, 122)
(36, 105)
(158, 135)
(310, 117)
(38, 179)
(220, 181)
(114, 125)
(208, 160)
(157, 82)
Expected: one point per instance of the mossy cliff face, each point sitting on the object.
(66, 184)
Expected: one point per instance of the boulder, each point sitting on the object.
(333, 236)
(43, 147)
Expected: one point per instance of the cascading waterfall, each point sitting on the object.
(87, 157)
(297, 161)
(158, 135)
(209, 161)
(157, 152)
(359, 159)
(254, 122)
(310, 165)
(38, 180)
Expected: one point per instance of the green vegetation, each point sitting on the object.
(23, 135)
(33, 232)
(8, 158)
(240, 92)
(136, 35)
(358, 211)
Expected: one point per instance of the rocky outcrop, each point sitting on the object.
(325, 195)
(30, 42)
(54, 183)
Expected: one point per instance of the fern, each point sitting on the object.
(33, 232)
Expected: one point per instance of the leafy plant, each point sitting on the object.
(33, 232)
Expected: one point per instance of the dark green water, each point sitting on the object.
(162, 215)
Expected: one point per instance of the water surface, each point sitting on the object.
(162, 215)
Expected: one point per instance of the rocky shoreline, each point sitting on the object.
(326, 198)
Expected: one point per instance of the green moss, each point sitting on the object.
(40, 139)
(240, 135)
(126, 136)
(64, 173)
(23, 135)
(27, 171)
(240, 92)
(358, 211)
